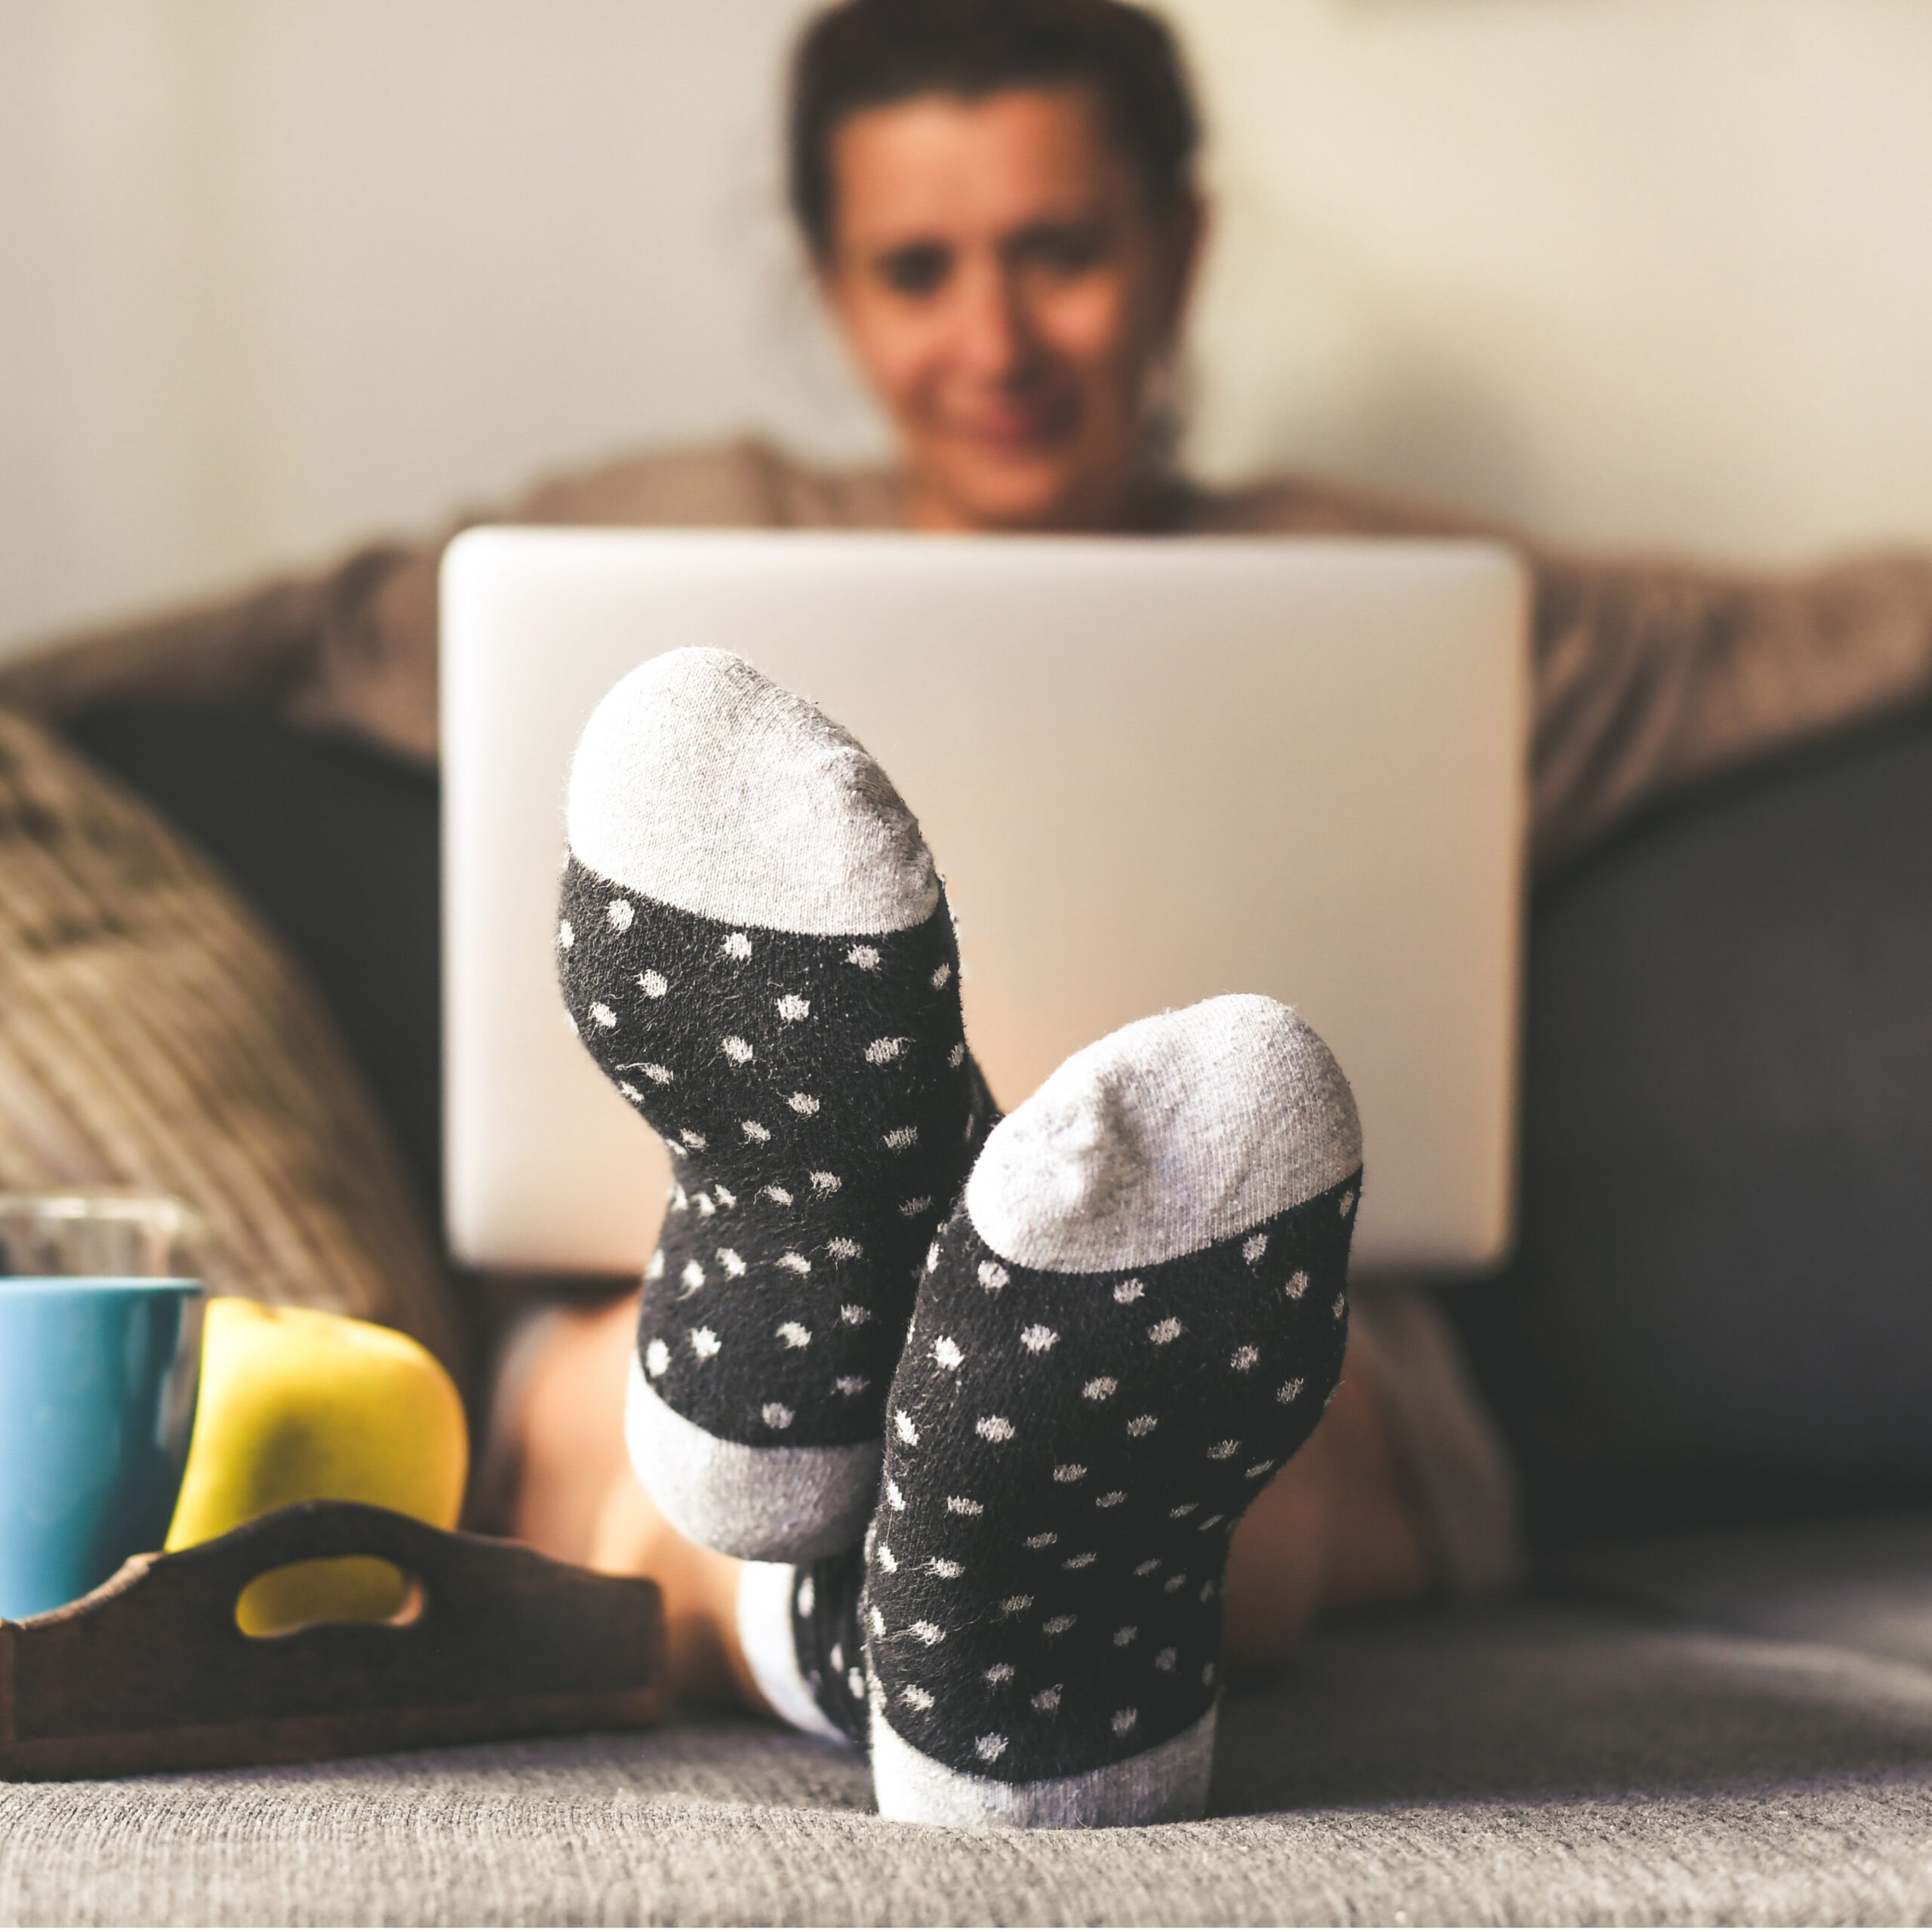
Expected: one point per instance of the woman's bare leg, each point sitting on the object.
(576, 1500)
(1335, 1530)
(633, 1538)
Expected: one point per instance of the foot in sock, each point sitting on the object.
(1135, 1316)
(756, 948)
(797, 1625)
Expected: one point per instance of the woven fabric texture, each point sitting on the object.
(153, 1034)
(1528, 1765)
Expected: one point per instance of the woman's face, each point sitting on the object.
(1005, 286)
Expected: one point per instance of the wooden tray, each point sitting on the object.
(150, 1672)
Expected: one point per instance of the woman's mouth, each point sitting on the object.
(1026, 430)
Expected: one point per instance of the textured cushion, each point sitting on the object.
(1529, 1765)
(336, 847)
(1718, 1308)
(1863, 1584)
(152, 1034)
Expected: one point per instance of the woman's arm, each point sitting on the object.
(1650, 675)
(1651, 672)
(352, 647)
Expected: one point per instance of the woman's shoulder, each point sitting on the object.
(752, 483)
(747, 483)
(1293, 504)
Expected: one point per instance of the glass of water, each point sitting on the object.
(110, 1232)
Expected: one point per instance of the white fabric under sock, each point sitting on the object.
(765, 1634)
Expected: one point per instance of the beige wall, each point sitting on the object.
(274, 273)
(1637, 270)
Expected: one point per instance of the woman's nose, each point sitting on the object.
(995, 343)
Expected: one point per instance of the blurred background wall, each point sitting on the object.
(276, 273)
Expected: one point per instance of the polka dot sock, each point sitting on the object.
(798, 1627)
(756, 948)
(1136, 1316)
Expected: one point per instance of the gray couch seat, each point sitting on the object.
(1676, 1739)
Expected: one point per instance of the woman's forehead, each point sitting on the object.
(945, 163)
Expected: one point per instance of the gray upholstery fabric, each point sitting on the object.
(1533, 1764)
(1717, 1307)
(1864, 1584)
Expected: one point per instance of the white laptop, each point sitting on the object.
(1151, 771)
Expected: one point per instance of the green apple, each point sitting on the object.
(297, 1406)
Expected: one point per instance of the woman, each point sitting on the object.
(1011, 271)
(999, 201)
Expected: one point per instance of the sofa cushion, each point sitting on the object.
(1863, 1584)
(336, 848)
(1531, 1764)
(152, 1034)
(1718, 1309)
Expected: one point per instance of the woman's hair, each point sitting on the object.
(870, 53)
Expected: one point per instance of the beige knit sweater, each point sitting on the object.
(1649, 673)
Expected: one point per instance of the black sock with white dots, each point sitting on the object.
(1136, 1316)
(798, 1626)
(756, 948)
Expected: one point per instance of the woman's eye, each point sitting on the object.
(1063, 251)
(917, 270)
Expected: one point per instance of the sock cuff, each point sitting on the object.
(765, 1635)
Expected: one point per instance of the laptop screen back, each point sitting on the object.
(1151, 771)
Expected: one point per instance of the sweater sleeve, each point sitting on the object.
(1650, 676)
(1652, 673)
(352, 649)
(265, 649)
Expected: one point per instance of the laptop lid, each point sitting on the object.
(1151, 771)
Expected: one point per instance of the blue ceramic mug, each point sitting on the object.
(98, 1376)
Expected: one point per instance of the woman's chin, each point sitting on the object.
(1012, 493)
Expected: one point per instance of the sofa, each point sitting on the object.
(1712, 1700)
